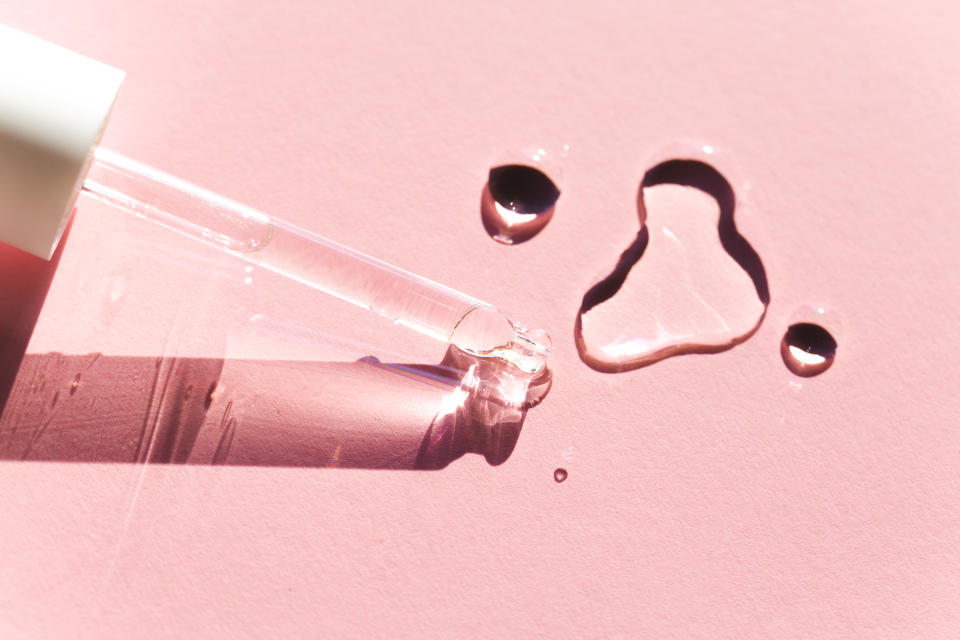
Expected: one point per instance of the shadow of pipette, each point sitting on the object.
(362, 414)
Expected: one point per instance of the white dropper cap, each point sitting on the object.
(54, 107)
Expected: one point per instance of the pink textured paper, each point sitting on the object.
(708, 496)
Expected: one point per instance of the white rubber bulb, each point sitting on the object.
(54, 107)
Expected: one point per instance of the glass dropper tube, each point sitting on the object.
(406, 299)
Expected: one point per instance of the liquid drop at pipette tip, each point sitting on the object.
(808, 349)
(518, 202)
(560, 474)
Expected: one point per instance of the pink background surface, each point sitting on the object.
(709, 496)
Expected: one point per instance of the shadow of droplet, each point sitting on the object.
(638, 332)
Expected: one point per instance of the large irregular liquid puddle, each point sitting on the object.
(689, 282)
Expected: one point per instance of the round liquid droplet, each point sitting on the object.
(75, 384)
(518, 202)
(808, 349)
(560, 475)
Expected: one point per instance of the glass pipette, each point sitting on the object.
(407, 299)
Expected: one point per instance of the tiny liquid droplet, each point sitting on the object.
(560, 475)
(808, 349)
(75, 384)
(518, 201)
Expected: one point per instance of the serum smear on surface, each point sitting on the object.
(689, 282)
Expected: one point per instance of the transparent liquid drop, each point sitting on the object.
(560, 475)
(517, 203)
(688, 283)
(808, 349)
(75, 384)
